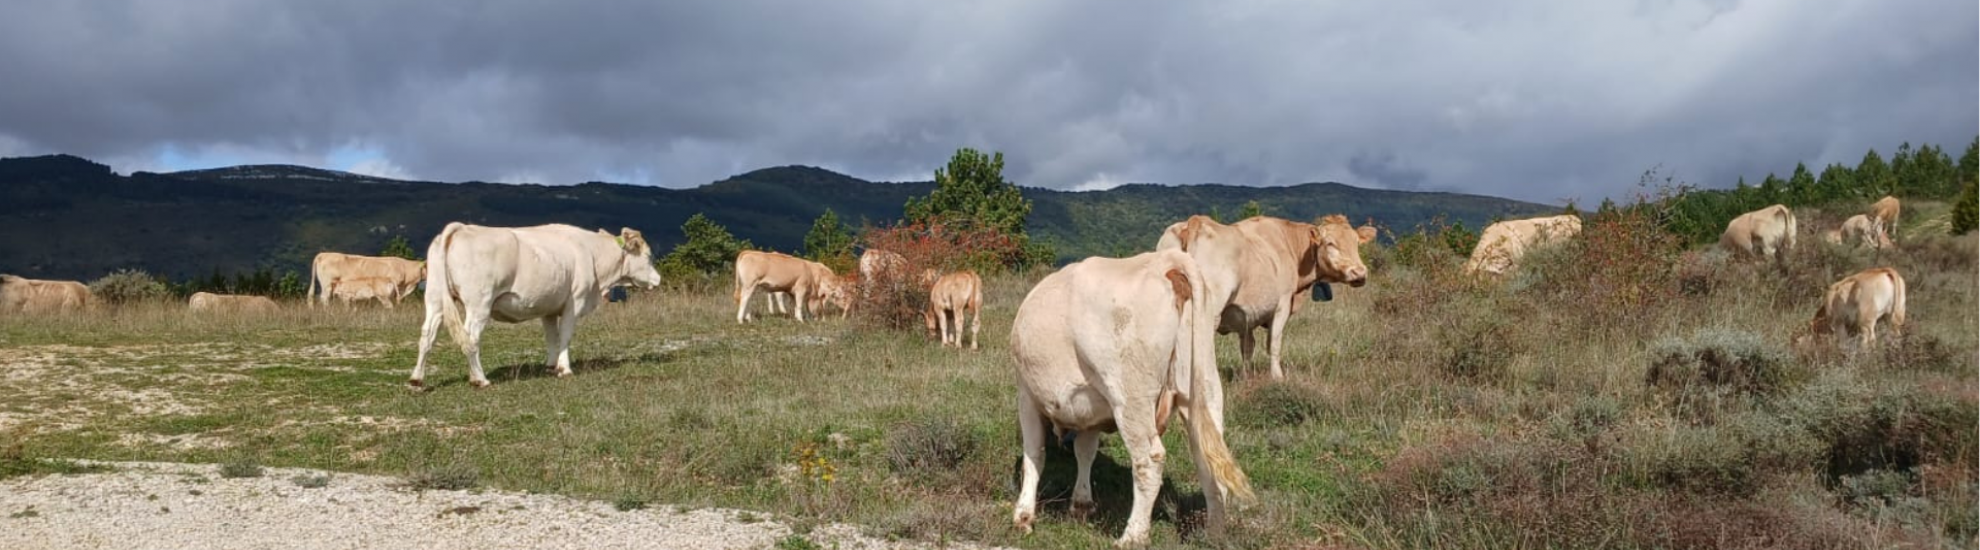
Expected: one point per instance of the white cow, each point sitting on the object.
(556, 273)
(1854, 304)
(1765, 233)
(329, 269)
(1110, 344)
(1256, 267)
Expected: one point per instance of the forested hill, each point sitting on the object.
(67, 217)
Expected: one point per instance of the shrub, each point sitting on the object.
(311, 481)
(1730, 359)
(443, 479)
(1480, 348)
(898, 299)
(1624, 260)
(1966, 209)
(938, 445)
(240, 469)
(129, 286)
(1279, 404)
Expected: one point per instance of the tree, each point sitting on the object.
(1251, 210)
(1902, 165)
(1966, 208)
(1969, 163)
(291, 284)
(709, 248)
(829, 241)
(1873, 177)
(1570, 209)
(398, 247)
(1770, 190)
(1837, 182)
(1801, 185)
(971, 190)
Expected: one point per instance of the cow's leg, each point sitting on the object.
(1145, 454)
(803, 296)
(477, 319)
(566, 328)
(427, 332)
(1245, 345)
(385, 302)
(1031, 423)
(1274, 336)
(975, 324)
(742, 303)
(550, 342)
(949, 330)
(1086, 443)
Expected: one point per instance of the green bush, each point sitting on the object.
(929, 446)
(1277, 405)
(129, 286)
(1731, 359)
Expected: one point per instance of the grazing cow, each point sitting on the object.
(1108, 345)
(1502, 244)
(1854, 304)
(1765, 233)
(1861, 230)
(953, 297)
(23, 295)
(207, 302)
(1254, 269)
(556, 273)
(331, 268)
(1885, 213)
(809, 282)
(383, 289)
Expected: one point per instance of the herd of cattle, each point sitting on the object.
(1101, 345)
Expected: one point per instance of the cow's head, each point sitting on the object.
(1337, 251)
(638, 259)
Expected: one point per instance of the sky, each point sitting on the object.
(1539, 100)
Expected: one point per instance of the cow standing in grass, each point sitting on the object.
(556, 273)
(953, 298)
(810, 283)
(23, 295)
(1854, 304)
(207, 302)
(329, 269)
(1110, 344)
(1255, 268)
(1767, 233)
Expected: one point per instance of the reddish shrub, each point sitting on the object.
(899, 299)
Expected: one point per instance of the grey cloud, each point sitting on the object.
(1533, 99)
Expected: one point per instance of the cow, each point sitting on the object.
(809, 282)
(1861, 230)
(330, 268)
(383, 289)
(207, 302)
(1502, 244)
(1885, 213)
(953, 297)
(1117, 345)
(1254, 269)
(1765, 233)
(34, 296)
(1854, 304)
(556, 273)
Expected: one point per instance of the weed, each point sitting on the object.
(797, 542)
(936, 445)
(443, 479)
(308, 481)
(628, 503)
(240, 469)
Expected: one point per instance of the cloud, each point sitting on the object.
(1533, 99)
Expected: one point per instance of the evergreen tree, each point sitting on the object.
(1902, 166)
(709, 248)
(1836, 182)
(972, 189)
(1966, 208)
(1873, 177)
(1251, 210)
(1969, 163)
(398, 247)
(829, 239)
(1801, 185)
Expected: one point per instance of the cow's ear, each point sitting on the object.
(1367, 233)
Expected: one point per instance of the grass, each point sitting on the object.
(1419, 411)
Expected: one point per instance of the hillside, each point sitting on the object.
(66, 217)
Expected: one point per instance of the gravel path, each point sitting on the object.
(163, 505)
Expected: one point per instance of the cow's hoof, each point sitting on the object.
(1023, 521)
(416, 385)
(563, 373)
(478, 384)
(1081, 510)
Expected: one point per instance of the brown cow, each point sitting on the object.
(1885, 213)
(1854, 304)
(1254, 268)
(24, 295)
(330, 268)
(1861, 230)
(207, 302)
(808, 281)
(950, 299)
(357, 289)
(1503, 243)
(1765, 233)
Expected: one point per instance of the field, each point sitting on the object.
(1598, 400)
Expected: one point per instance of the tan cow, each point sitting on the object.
(556, 273)
(1861, 230)
(1117, 345)
(1854, 304)
(1885, 213)
(207, 302)
(1765, 233)
(1502, 244)
(33, 296)
(331, 268)
(809, 282)
(356, 289)
(950, 299)
(833, 290)
(1254, 269)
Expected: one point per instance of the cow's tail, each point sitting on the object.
(1788, 217)
(439, 287)
(1196, 347)
(309, 292)
(1897, 301)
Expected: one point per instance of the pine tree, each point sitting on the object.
(829, 240)
(1873, 177)
(709, 248)
(398, 247)
(1801, 185)
(1250, 210)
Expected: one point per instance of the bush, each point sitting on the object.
(444, 479)
(240, 469)
(128, 286)
(1481, 348)
(1966, 209)
(1279, 404)
(899, 299)
(1735, 360)
(930, 446)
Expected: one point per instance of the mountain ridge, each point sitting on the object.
(237, 218)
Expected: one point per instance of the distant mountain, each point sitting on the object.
(66, 217)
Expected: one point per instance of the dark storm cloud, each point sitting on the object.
(1533, 99)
